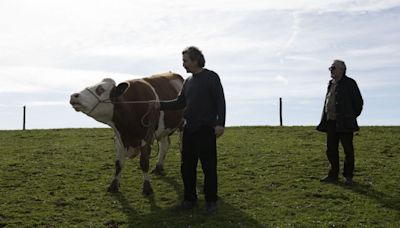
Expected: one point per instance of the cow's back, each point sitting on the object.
(167, 86)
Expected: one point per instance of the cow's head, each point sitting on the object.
(95, 101)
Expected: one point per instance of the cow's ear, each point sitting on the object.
(120, 89)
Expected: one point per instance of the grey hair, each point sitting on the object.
(341, 64)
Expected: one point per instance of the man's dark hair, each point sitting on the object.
(195, 55)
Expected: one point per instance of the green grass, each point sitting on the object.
(268, 177)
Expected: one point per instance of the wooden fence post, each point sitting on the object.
(24, 118)
(280, 111)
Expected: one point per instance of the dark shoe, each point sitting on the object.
(211, 208)
(186, 205)
(348, 181)
(329, 179)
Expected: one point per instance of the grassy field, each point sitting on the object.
(268, 177)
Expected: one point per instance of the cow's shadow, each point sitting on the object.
(179, 218)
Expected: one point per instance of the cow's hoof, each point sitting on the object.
(114, 187)
(159, 171)
(147, 189)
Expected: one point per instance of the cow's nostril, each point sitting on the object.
(76, 95)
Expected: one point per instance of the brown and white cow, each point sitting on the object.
(132, 110)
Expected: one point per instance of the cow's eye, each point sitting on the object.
(100, 90)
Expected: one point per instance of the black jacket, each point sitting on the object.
(349, 104)
(203, 98)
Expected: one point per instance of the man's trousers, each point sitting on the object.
(200, 144)
(332, 152)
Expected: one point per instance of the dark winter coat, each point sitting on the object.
(349, 104)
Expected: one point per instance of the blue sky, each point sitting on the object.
(262, 50)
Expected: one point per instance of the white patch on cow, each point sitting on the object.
(177, 84)
(161, 130)
(94, 101)
(120, 150)
(109, 80)
(119, 153)
(161, 125)
(164, 145)
(103, 113)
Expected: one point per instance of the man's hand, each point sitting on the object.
(219, 130)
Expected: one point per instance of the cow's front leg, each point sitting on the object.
(114, 186)
(144, 165)
(119, 163)
(164, 145)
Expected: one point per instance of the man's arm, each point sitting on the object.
(357, 99)
(221, 108)
(176, 104)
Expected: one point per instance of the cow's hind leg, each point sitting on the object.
(164, 145)
(144, 165)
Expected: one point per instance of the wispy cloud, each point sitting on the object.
(282, 79)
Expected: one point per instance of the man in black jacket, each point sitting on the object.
(202, 96)
(343, 104)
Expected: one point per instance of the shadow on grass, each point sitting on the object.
(227, 215)
(392, 202)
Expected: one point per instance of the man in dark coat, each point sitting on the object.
(343, 104)
(203, 99)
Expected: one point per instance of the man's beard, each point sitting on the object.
(187, 70)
